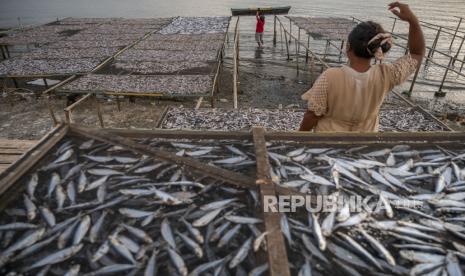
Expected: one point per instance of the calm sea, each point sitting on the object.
(41, 11)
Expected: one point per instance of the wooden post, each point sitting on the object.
(312, 69)
(461, 67)
(458, 52)
(297, 56)
(118, 104)
(433, 47)
(455, 34)
(3, 52)
(290, 30)
(409, 94)
(50, 109)
(99, 111)
(342, 49)
(274, 32)
(440, 93)
(308, 47)
(287, 45)
(15, 82)
(326, 49)
(7, 51)
(45, 82)
(394, 24)
(281, 34)
(277, 253)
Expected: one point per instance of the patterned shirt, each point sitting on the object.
(350, 100)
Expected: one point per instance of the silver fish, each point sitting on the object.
(57, 257)
(318, 233)
(151, 268)
(31, 208)
(228, 236)
(48, 216)
(138, 233)
(259, 241)
(26, 241)
(54, 181)
(65, 156)
(121, 249)
(95, 229)
(111, 269)
(241, 253)
(191, 244)
(378, 247)
(73, 271)
(178, 262)
(82, 182)
(207, 218)
(32, 184)
(193, 231)
(167, 234)
(421, 257)
(361, 250)
(71, 192)
(60, 196)
(104, 172)
(81, 230)
(243, 220)
(97, 183)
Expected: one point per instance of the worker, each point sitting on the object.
(260, 28)
(349, 98)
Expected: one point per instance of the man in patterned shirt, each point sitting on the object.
(349, 98)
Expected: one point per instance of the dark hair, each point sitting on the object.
(361, 35)
(262, 18)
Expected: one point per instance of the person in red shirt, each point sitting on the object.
(259, 29)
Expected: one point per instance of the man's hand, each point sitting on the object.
(402, 11)
(309, 121)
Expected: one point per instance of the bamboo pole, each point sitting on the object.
(99, 111)
(455, 34)
(410, 91)
(433, 47)
(199, 103)
(306, 50)
(274, 31)
(50, 110)
(287, 46)
(440, 93)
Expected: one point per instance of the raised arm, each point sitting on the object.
(416, 40)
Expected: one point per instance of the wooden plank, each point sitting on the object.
(184, 134)
(10, 151)
(16, 144)
(277, 253)
(162, 117)
(368, 138)
(30, 158)
(3, 167)
(211, 171)
(9, 159)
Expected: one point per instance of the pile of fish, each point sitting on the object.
(105, 37)
(166, 56)
(77, 49)
(91, 208)
(41, 34)
(29, 67)
(325, 27)
(407, 119)
(188, 37)
(413, 222)
(70, 53)
(89, 44)
(231, 119)
(169, 85)
(394, 120)
(197, 25)
(154, 68)
(180, 45)
(232, 155)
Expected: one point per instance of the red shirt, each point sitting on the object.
(260, 25)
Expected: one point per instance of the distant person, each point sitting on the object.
(259, 29)
(349, 98)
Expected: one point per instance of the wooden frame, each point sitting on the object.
(277, 254)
